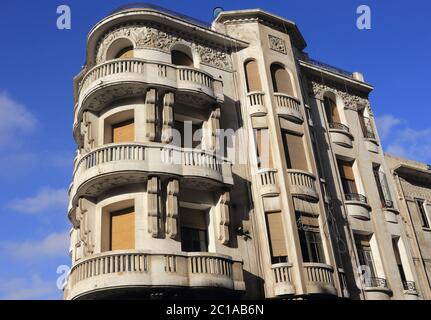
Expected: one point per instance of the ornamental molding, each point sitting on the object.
(415, 192)
(277, 44)
(155, 37)
(352, 100)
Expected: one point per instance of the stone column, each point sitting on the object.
(173, 189)
(211, 127)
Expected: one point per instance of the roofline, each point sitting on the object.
(281, 22)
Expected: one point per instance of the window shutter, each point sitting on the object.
(123, 132)
(192, 218)
(252, 76)
(276, 234)
(296, 151)
(123, 229)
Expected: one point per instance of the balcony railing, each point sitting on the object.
(410, 286)
(375, 282)
(388, 204)
(339, 126)
(288, 106)
(302, 183)
(118, 269)
(319, 278)
(282, 273)
(356, 197)
(267, 181)
(256, 103)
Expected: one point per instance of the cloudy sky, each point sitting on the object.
(38, 62)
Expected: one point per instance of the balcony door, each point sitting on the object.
(294, 151)
(365, 255)
(277, 240)
(331, 110)
(194, 235)
(122, 229)
(347, 177)
(310, 238)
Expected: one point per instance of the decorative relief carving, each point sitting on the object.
(168, 117)
(352, 100)
(150, 110)
(152, 36)
(277, 44)
(173, 188)
(83, 232)
(415, 192)
(153, 206)
(223, 218)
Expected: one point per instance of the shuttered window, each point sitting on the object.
(331, 110)
(294, 151)
(123, 229)
(263, 146)
(252, 76)
(281, 80)
(125, 53)
(347, 177)
(277, 241)
(123, 132)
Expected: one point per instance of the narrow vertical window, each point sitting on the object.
(399, 261)
(252, 76)
(310, 239)
(383, 187)
(294, 151)
(331, 111)
(365, 256)
(347, 177)
(281, 81)
(263, 148)
(277, 242)
(423, 213)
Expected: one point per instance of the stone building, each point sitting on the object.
(221, 161)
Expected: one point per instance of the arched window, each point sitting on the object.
(125, 53)
(331, 110)
(120, 49)
(252, 76)
(180, 58)
(281, 80)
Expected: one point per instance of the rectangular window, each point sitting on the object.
(263, 148)
(398, 260)
(383, 187)
(364, 253)
(294, 151)
(194, 237)
(366, 126)
(277, 241)
(122, 229)
(347, 177)
(123, 131)
(423, 213)
(310, 239)
(189, 136)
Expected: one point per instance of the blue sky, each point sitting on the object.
(38, 62)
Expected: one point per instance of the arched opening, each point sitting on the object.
(281, 80)
(120, 49)
(252, 76)
(180, 58)
(331, 110)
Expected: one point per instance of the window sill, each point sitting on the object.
(426, 229)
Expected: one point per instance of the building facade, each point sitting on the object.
(221, 161)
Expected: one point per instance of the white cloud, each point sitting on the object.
(27, 289)
(16, 119)
(46, 199)
(53, 245)
(404, 141)
(386, 123)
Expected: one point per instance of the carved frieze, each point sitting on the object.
(352, 100)
(277, 44)
(152, 36)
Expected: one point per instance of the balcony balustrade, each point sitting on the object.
(340, 134)
(357, 206)
(303, 184)
(288, 107)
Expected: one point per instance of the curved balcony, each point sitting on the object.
(267, 181)
(340, 134)
(410, 290)
(391, 213)
(117, 164)
(357, 206)
(302, 185)
(376, 289)
(131, 77)
(288, 107)
(319, 279)
(283, 284)
(256, 104)
(109, 273)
